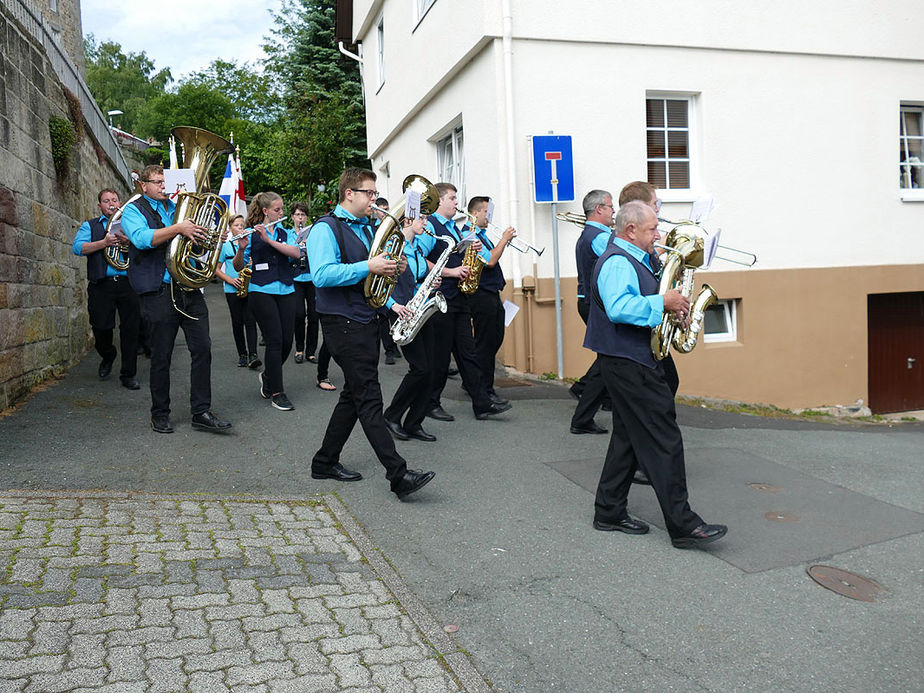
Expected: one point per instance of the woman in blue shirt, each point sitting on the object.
(272, 296)
(242, 321)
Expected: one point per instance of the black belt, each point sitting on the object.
(156, 292)
(117, 278)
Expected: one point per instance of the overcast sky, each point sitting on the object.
(183, 35)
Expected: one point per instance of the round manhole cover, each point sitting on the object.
(844, 583)
(763, 487)
(780, 516)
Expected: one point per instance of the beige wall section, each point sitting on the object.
(802, 334)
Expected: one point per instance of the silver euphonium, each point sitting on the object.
(422, 305)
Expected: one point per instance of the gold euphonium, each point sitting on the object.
(473, 261)
(685, 254)
(389, 238)
(116, 256)
(192, 264)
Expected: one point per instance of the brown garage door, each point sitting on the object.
(896, 351)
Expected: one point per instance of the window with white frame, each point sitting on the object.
(421, 7)
(668, 141)
(721, 322)
(911, 147)
(380, 35)
(450, 162)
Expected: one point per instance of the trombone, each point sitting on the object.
(516, 242)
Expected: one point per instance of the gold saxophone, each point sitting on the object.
(684, 246)
(192, 264)
(474, 262)
(389, 238)
(244, 276)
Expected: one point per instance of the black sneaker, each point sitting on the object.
(282, 403)
(254, 362)
(263, 391)
(243, 361)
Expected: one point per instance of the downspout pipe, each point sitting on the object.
(513, 202)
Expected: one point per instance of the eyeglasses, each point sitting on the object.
(153, 182)
(610, 206)
(658, 205)
(370, 193)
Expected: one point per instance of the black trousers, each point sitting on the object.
(488, 324)
(306, 319)
(355, 348)
(388, 344)
(105, 298)
(644, 428)
(164, 321)
(452, 335)
(413, 394)
(243, 325)
(590, 387)
(275, 313)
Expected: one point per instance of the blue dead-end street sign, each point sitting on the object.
(553, 168)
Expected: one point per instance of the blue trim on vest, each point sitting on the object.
(347, 301)
(278, 267)
(618, 339)
(146, 267)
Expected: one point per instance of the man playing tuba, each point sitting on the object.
(148, 223)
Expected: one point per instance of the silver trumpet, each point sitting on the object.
(422, 305)
(516, 242)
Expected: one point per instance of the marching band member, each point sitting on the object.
(413, 394)
(453, 330)
(243, 325)
(338, 250)
(108, 292)
(486, 305)
(392, 353)
(272, 296)
(148, 223)
(624, 306)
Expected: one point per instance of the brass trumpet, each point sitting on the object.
(389, 238)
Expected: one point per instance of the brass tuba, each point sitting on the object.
(389, 238)
(192, 264)
(684, 246)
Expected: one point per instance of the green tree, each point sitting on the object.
(124, 82)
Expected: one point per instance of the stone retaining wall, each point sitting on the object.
(43, 317)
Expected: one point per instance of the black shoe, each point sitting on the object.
(161, 424)
(397, 432)
(254, 362)
(495, 409)
(421, 434)
(282, 403)
(628, 525)
(207, 421)
(243, 361)
(299, 357)
(606, 406)
(440, 414)
(497, 399)
(264, 393)
(389, 359)
(410, 482)
(105, 368)
(590, 428)
(704, 534)
(641, 478)
(336, 471)
(131, 383)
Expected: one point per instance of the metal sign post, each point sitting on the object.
(554, 176)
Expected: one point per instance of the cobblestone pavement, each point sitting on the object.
(133, 592)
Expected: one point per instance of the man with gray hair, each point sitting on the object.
(624, 307)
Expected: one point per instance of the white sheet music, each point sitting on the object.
(490, 211)
(179, 179)
(412, 204)
(113, 228)
(510, 312)
(701, 209)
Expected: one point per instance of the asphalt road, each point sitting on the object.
(500, 542)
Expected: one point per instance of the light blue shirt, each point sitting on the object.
(276, 288)
(327, 269)
(136, 226)
(485, 253)
(601, 240)
(226, 258)
(85, 236)
(619, 291)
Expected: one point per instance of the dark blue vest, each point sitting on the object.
(347, 301)
(618, 339)
(146, 267)
(492, 278)
(96, 262)
(584, 254)
(278, 268)
(406, 287)
(450, 285)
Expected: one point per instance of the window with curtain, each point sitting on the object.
(450, 161)
(380, 35)
(910, 145)
(668, 132)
